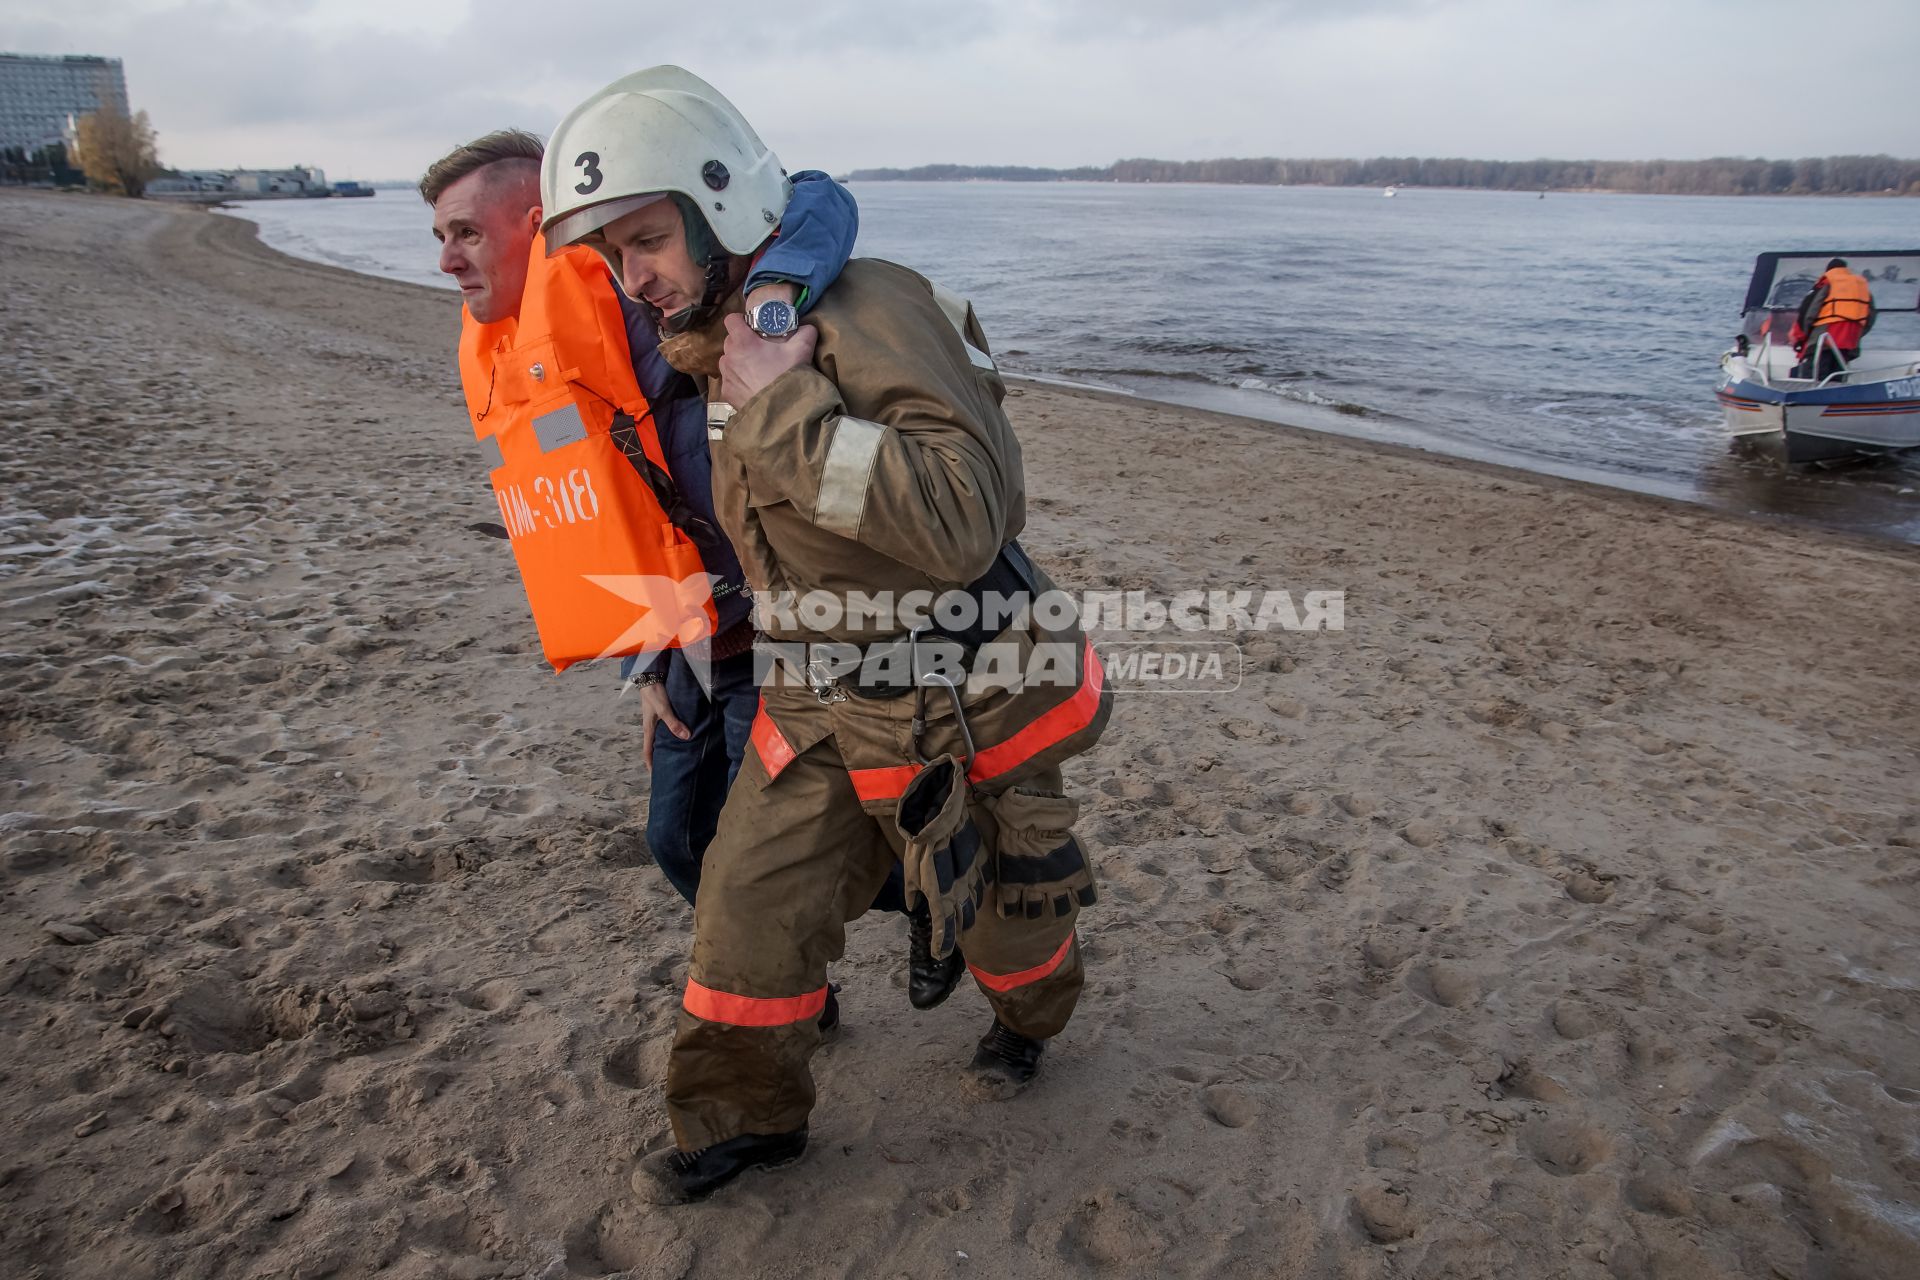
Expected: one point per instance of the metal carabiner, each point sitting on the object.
(920, 684)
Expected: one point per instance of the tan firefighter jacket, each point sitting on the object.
(889, 466)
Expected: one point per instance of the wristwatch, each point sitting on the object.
(774, 319)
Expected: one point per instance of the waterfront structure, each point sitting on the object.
(279, 182)
(256, 184)
(39, 92)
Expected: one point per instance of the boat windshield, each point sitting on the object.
(1782, 281)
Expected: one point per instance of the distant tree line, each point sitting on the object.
(983, 173)
(1727, 176)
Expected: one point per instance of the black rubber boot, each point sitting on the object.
(1006, 1055)
(680, 1177)
(929, 981)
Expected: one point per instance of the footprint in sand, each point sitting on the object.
(947, 1201)
(490, 997)
(1564, 1147)
(1148, 790)
(1240, 822)
(1572, 1021)
(1229, 1106)
(1528, 854)
(1245, 978)
(1135, 1134)
(1442, 984)
(1107, 1230)
(623, 1065)
(1658, 1192)
(1358, 804)
(623, 1239)
(1421, 833)
(1389, 1151)
(1303, 804)
(1384, 953)
(1383, 1211)
(1586, 884)
(1523, 1080)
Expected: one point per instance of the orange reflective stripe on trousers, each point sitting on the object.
(752, 1011)
(1011, 981)
(775, 752)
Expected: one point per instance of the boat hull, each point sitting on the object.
(1820, 425)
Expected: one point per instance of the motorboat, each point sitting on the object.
(1869, 405)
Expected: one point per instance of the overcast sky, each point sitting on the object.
(379, 88)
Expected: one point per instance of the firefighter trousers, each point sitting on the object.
(796, 857)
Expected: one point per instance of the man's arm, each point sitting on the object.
(816, 238)
(928, 474)
(1810, 307)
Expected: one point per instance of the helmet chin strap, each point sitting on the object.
(718, 286)
(707, 251)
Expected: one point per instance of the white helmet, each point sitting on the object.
(654, 132)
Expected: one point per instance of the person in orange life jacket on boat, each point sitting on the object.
(486, 202)
(1840, 308)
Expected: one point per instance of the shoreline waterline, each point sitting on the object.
(1877, 500)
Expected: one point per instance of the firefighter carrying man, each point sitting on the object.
(864, 459)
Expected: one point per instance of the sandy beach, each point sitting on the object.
(1555, 918)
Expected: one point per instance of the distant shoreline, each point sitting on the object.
(860, 176)
(1722, 176)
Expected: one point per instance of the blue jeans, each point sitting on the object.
(691, 776)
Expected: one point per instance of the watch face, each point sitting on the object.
(773, 317)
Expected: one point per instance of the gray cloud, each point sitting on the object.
(1160, 17)
(843, 83)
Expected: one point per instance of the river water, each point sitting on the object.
(1575, 335)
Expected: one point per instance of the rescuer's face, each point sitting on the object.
(647, 250)
(484, 242)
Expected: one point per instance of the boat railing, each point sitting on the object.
(1856, 372)
(1823, 339)
(1759, 362)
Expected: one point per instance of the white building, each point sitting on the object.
(253, 183)
(38, 92)
(284, 182)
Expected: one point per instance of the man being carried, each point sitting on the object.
(865, 460)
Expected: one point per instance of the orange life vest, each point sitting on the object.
(1848, 298)
(552, 395)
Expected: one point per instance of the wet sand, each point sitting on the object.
(1555, 918)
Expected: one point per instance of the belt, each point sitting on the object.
(1010, 576)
